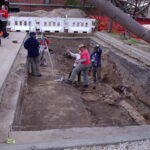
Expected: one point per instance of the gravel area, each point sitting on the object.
(137, 145)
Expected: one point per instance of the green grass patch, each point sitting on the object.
(135, 41)
(115, 34)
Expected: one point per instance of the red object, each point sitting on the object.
(1, 33)
(103, 24)
(117, 28)
(4, 13)
(85, 55)
(43, 42)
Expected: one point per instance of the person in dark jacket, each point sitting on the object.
(96, 63)
(32, 45)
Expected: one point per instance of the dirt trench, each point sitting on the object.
(48, 103)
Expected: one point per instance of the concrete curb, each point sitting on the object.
(127, 49)
(8, 55)
(80, 137)
(9, 103)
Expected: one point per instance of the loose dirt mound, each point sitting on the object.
(72, 13)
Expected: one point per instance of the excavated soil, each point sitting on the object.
(60, 12)
(48, 103)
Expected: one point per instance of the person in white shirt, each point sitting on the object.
(77, 58)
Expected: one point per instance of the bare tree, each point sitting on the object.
(110, 23)
(133, 7)
(122, 18)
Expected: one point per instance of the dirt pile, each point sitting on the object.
(61, 12)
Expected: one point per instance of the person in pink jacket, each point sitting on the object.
(84, 64)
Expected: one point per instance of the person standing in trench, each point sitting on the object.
(32, 45)
(96, 64)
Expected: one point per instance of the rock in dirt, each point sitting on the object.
(108, 94)
(134, 113)
(109, 101)
(89, 97)
(51, 82)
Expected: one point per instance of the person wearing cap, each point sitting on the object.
(84, 66)
(96, 63)
(32, 45)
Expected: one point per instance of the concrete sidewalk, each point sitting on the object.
(9, 51)
(131, 51)
(9, 96)
(76, 137)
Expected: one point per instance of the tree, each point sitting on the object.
(135, 8)
(122, 18)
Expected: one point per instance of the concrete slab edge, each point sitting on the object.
(6, 124)
(4, 82)
(62, 144)
(107, 135)
(134, 52)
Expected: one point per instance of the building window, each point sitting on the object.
(16, 23)
(20, 23)
(25, 23)
(58, 23)
(47, 1)
(45, 23)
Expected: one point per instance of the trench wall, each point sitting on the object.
(135, 76)
(117, 69)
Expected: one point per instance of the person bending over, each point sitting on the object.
(84, 66)
(77, 58)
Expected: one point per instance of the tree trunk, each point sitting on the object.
(119, 16)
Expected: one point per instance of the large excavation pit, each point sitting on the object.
(49, 103)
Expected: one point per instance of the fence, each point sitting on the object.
(71, 25)
(102, 24)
